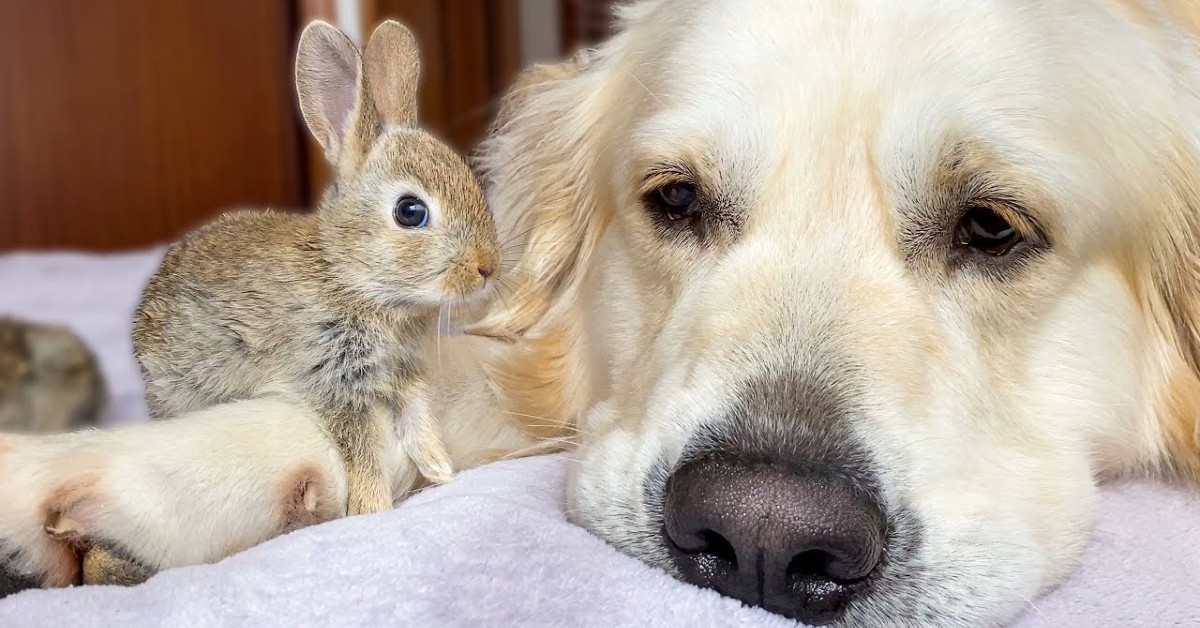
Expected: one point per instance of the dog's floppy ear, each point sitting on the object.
(541, 167)
(538, 165)
(1174, 308)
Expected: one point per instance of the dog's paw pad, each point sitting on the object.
(104, 566)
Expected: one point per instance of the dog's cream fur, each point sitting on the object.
(990, 404)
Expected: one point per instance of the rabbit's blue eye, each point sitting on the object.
(410, 212)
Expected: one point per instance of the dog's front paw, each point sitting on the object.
(58, 519)
(116, 507)
(28, 556)
(100, 561)
(119, 505)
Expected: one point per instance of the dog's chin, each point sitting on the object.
(938, 568)
(907, 589)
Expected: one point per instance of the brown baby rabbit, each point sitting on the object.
(336, 307)
(49, 380)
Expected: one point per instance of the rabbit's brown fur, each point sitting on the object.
(335, 307)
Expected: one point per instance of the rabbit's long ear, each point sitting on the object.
(392, 64)
(329, 84)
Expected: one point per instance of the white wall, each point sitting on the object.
(350, 20)
(541, 36)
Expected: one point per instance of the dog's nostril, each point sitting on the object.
(712, 556)
(813, 580)
(844, 567)
(719, 547)
(796, 543)
(705, 542)
(810, 563)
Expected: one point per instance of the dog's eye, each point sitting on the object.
(676, 200)
(983, 230)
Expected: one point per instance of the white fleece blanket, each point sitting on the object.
(494, 547)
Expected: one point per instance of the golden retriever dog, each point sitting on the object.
(851, 305)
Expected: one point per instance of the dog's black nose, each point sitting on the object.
(798, 543)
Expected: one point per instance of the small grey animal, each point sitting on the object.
(49, 379)
(338, 307)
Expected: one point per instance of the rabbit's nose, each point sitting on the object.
(486, 270)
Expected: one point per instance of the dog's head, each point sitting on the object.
(874, 292)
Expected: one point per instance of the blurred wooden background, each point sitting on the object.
(124, 123)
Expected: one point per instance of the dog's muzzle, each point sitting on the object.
(798, 543)
(777, 507)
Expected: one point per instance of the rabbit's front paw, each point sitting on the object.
(421, 438)
(433, 461)
(367, 493)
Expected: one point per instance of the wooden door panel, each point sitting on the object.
(126, 122)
